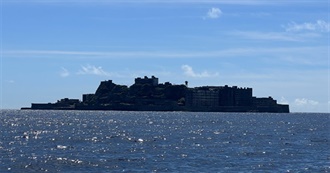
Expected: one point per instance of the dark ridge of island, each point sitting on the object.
(147, 94)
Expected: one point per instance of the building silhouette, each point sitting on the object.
(147, 94)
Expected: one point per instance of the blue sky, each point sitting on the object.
(51, 49)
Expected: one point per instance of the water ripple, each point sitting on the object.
(118, 141)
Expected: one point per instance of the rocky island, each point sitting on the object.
(147, 94)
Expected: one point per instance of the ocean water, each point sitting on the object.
(119, 141)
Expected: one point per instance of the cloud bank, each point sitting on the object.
(234, 52)
(318, 26)
(92, 70)
(214, 13)
(188, 71)
(304, 102)
(64, 72)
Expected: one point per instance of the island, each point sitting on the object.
(147, 94)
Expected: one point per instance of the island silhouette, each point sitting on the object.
(147, 94)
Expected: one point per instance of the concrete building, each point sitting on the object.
(152, 81)
(86, 98)
(219, 96)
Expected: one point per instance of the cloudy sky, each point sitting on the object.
(51, 49)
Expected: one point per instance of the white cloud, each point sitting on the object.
(64, 72)
(188, 71)
(214, 13)
(305, 102)
(277, 36)
(234, 52)
(318, 26)
(283, 101)
(92, 70)
(304, 61)
(263, 35)
(308, 105)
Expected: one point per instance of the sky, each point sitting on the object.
(53, 49)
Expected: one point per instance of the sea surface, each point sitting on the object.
(119, 141)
